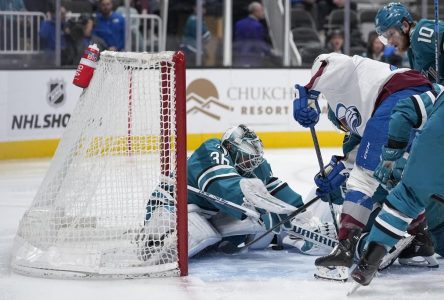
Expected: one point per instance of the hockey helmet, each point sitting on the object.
(244, 147)
(391, 16)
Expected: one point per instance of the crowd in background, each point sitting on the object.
(102, 22)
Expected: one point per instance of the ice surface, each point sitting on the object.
(255, 275)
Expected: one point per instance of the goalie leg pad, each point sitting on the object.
(229, 226)
(201, 233)
(155, 236)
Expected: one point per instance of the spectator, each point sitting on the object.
(375, 48)
(110, 26)
(48, 30)
(137, 41)
(80, 37)
(335, 41)
(250, 38)
(188, 44)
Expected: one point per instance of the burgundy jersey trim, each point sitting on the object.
(400, 81)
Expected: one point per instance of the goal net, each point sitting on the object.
(113, 202)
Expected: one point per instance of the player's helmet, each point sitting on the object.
(244, 148)
(391, 15)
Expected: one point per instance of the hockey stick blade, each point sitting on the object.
(316, 238)
(287, 219)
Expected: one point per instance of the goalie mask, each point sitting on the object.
(244, 148)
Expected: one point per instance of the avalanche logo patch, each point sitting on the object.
(349, 117)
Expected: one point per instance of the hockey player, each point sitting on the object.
(234, 169)
(395, 26)
(361, 94)
(423, 177)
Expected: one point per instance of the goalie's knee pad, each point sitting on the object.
(229, 226)
(263, 242)
(201, 233)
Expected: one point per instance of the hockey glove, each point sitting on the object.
(305, 106)
(336, 174)
(389, 170)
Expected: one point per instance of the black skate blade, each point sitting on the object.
(339, 273)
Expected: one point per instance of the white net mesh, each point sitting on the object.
(89, 215)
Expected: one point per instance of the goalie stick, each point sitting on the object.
(306, 234)
(287, 219)
(314, 237)
(221, 201)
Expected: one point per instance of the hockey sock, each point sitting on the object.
(390, 226)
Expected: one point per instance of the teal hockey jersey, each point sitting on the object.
(211, 169)
(422, 49)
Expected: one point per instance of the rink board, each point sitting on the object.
(35, 107)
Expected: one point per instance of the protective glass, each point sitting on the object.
(390, 34)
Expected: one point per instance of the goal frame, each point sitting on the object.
(172, 157)
(181, 159)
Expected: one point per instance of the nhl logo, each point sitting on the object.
(56, 92)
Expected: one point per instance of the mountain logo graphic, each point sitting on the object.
(203, 98)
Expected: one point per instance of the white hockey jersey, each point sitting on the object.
(352, 86)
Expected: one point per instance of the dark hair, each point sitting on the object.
(84, 18)
(372, 36)
(333, 33)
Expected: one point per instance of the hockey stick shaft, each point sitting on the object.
(287, 219)
(221, 201)
(322, 169)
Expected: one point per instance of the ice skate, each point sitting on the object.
(421, 252)
(369, 264)
(335, 265)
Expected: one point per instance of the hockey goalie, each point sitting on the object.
(233, 168)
